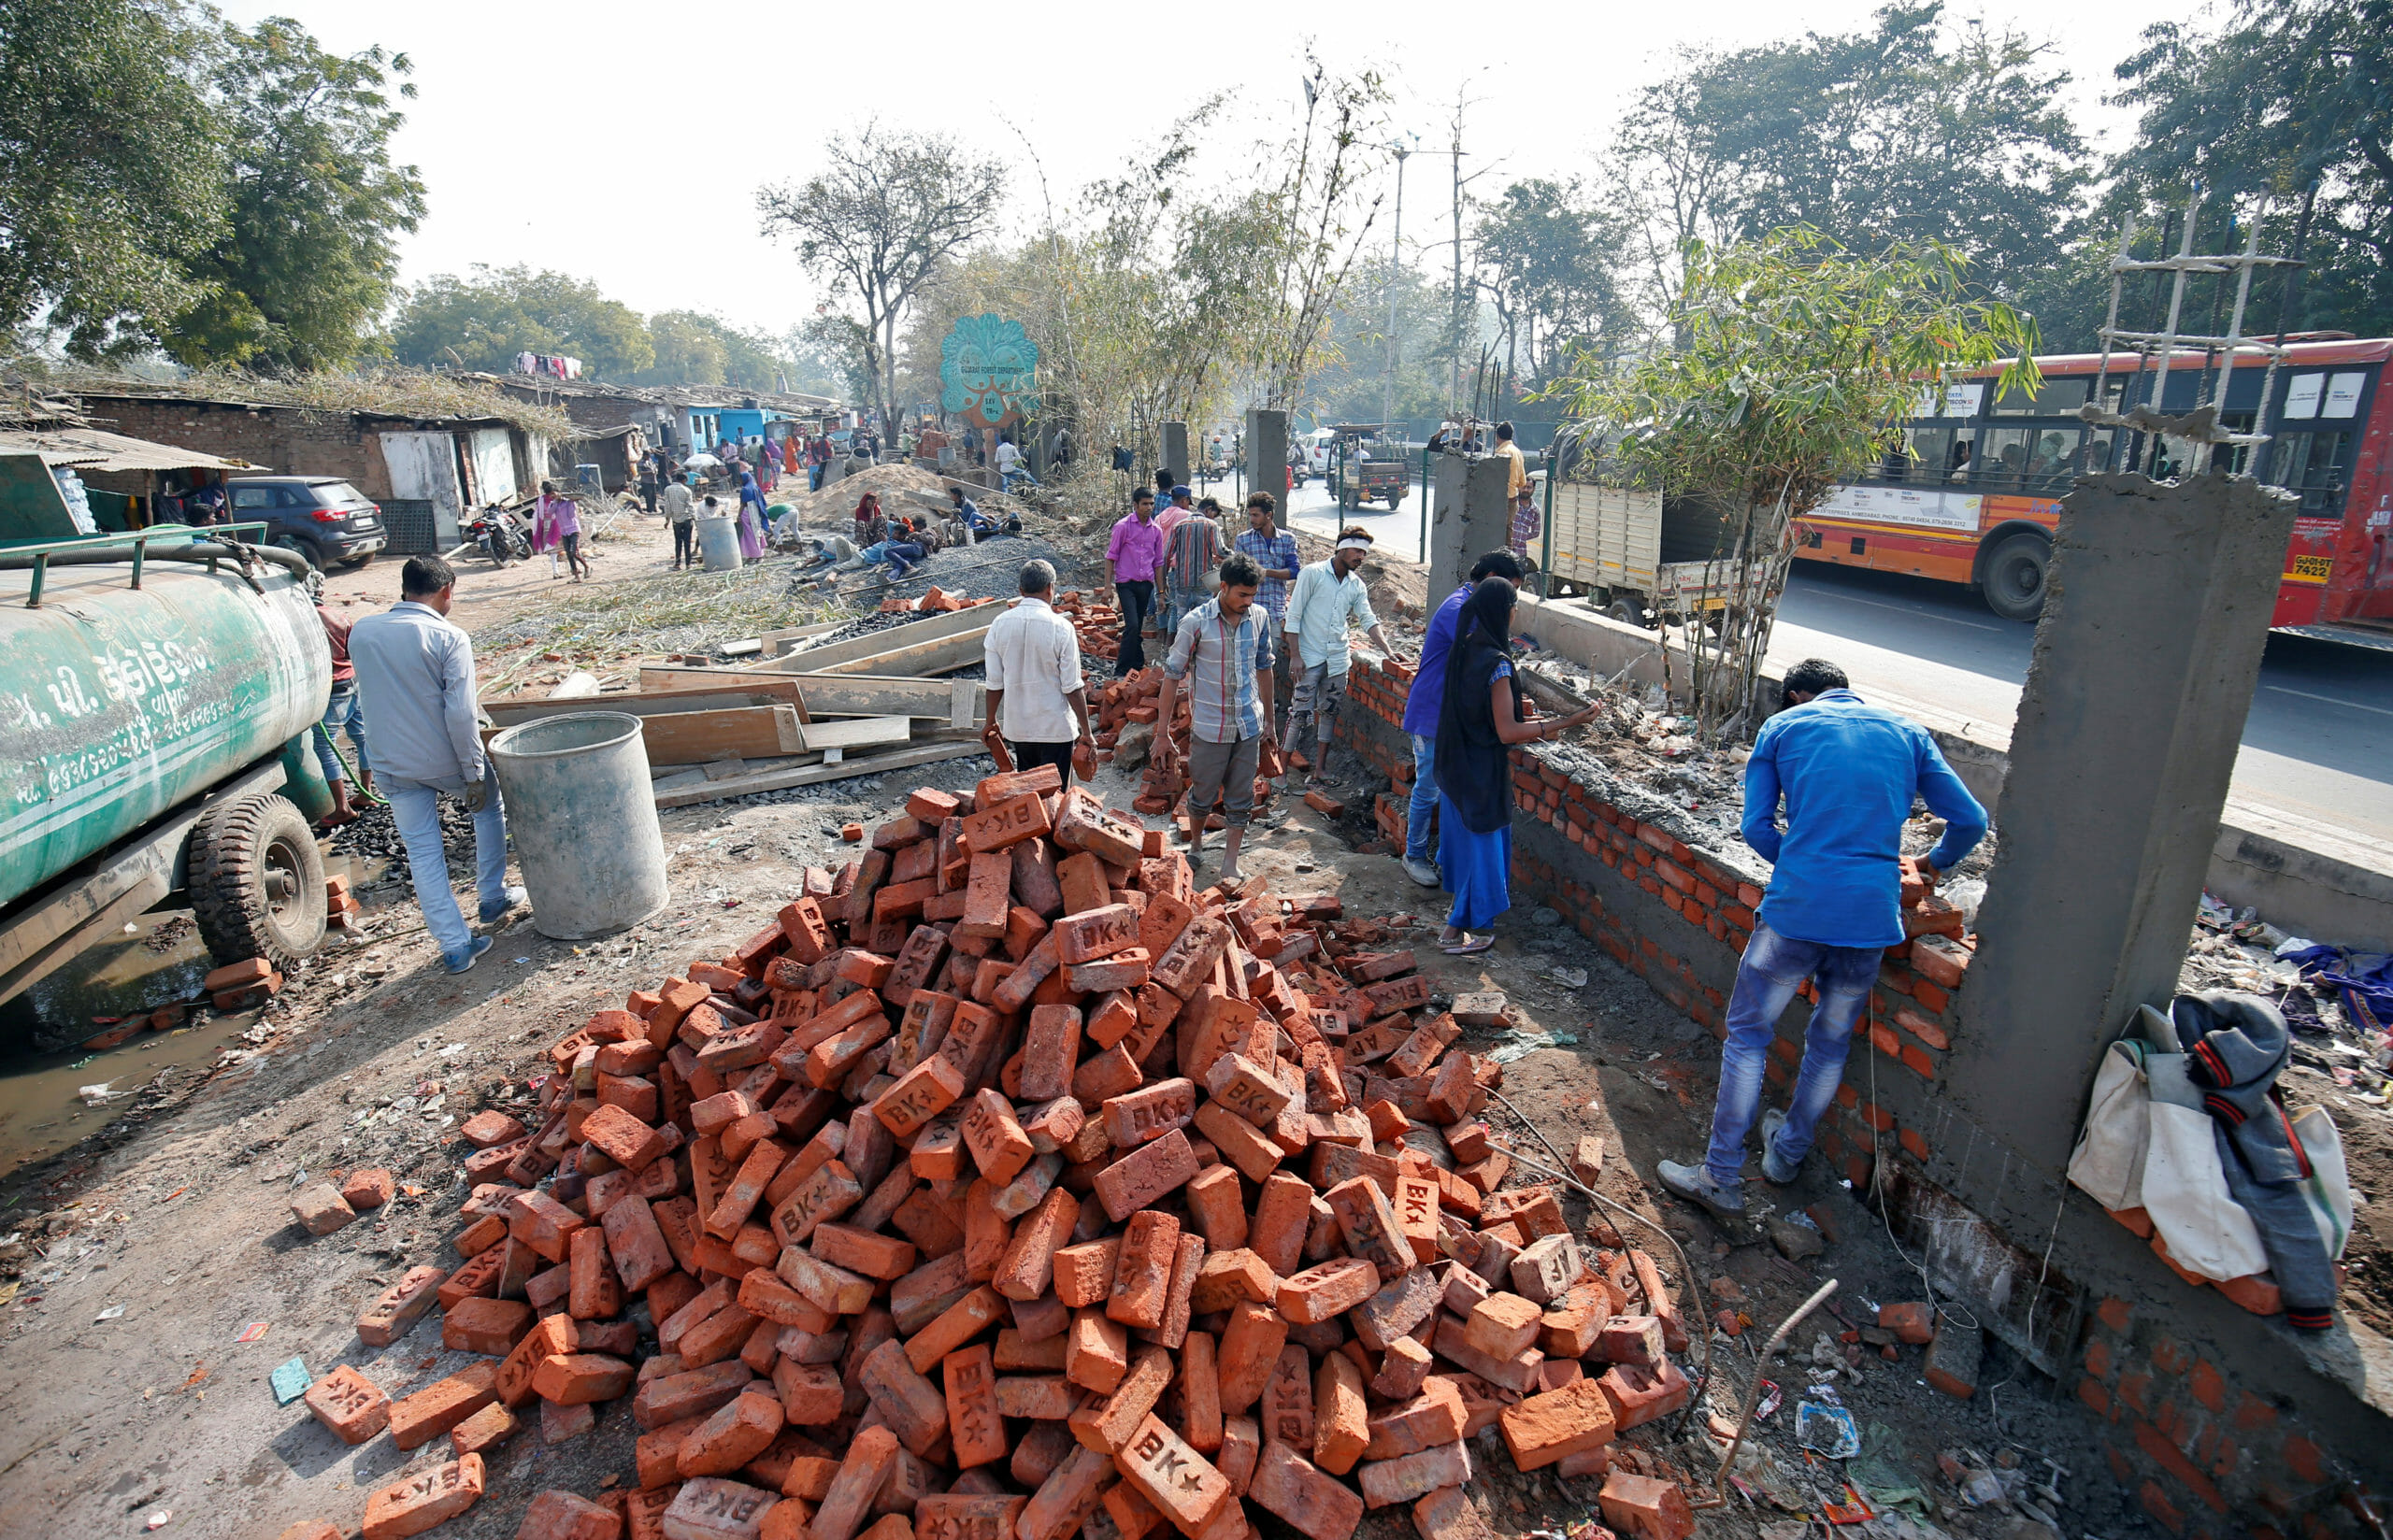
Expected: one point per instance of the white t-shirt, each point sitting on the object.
(1008, 456)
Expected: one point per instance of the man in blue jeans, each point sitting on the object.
(1421, 705)
(415, 679)
(1848, 773)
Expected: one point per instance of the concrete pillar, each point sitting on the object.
(1470, 517)
(2144, 665)
(1175, 452)
(1267, 456)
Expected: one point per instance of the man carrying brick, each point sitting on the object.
(1223, 651)
(1848, 773)
(1328, 598)
(1420, 704)
(415, 679)
(1274, 550)
(1036, 693)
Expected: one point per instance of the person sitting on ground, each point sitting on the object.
(1481, 715)
(1848, 773)
(872, 526)
(968, 513)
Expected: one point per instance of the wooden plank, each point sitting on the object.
(839, 694)
(508, 710)
(826, 659)
(780, 780)
(745, 732)
(855, 733)
(778, 642)
(920, 659)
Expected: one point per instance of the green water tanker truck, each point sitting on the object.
(158, 689)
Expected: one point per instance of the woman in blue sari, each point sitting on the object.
(1484, 713)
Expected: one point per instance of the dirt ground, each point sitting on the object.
(151, 1251)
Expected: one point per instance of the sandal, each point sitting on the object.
(1467, 946)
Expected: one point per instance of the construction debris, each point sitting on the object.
(1006, 1181)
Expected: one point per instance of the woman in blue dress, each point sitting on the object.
(1482, 715)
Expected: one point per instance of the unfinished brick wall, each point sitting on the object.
(2203, 1452)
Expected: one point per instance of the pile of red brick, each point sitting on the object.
(1098, 623)
(1008, 1187)
(936, 600)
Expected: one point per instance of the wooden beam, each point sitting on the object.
(855, 733)
(780, 780)
(919, 657)
(956, 702)
(824, 660)
(508, 710)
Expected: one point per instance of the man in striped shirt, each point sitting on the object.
(1223, 651)
(1274, 550)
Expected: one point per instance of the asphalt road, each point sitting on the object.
(2317, 746)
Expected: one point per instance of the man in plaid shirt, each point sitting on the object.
(1223, 651)
(1274, 550)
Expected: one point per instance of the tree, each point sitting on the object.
(1908, 131)
(2288, 96)
(1321, 215)
(301, 275)
(1548, 256)
(878, 222)
(111, 177)
(484, 321)
(1802, 361)
(694, 347)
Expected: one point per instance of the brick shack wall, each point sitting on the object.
(285, 440)
(2211, 1446)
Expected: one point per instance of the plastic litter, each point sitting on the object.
(289, 1381)
(1827, 1431)
(113, 1312)
(253, 1332)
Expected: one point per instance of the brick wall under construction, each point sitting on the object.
(2215, 1430)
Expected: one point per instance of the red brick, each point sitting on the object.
(1645, 1507)
(352, 1406)
(395, 1313)
(560, 1515)
(737, 1432)
(417, 1502)
(1543, 1429)
(441, 1405)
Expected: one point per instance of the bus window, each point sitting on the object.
(1961, 460)
(2057, 398)
(2316, 465)
(2094, 456)
(2007, 449)
(2048, 459)
(1931, 452)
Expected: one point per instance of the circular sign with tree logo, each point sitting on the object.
(988, 367)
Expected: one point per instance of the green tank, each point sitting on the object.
(120, 703)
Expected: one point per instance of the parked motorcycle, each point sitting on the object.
(500, 536)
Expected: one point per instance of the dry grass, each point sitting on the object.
(601, 626)
(392, 393)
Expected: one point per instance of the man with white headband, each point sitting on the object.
(1328, 597)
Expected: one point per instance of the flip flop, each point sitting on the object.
(1468, 946)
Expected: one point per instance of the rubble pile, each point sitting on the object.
(1009, 1187)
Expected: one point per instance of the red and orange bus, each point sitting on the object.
(1974, 494)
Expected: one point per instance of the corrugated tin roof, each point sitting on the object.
(97, 450)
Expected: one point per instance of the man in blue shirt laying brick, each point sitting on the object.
(1848, 772)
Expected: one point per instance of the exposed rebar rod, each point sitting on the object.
(1719, 1497)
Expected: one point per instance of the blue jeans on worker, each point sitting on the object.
(1015, 478)
(1774, 968)
(1423, 806)
(902, 555)
(341, 710)
(415, 805)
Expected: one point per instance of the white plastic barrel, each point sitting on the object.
(719, 543)
(579, 806)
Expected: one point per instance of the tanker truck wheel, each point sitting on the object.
(257, 882)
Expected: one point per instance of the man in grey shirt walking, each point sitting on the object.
(415, 680)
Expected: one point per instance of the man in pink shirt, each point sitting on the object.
(1131, 559)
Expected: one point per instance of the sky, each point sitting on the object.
(623, 143)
